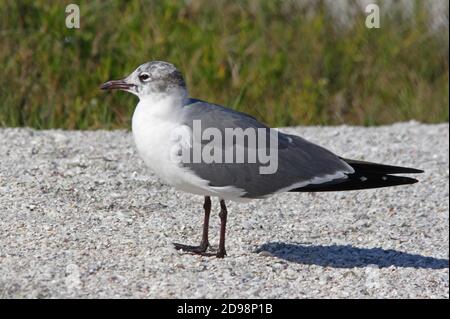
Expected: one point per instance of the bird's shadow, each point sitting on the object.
(340, 256)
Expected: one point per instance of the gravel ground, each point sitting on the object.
(80, 216)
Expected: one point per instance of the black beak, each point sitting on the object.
(116, 85)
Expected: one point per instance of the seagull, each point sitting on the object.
(164, 127)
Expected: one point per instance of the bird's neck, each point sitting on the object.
(162, 106)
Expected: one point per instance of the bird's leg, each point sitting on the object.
(223, 224)
(204, 243)
(207, 207)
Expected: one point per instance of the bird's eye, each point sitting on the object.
(144, 77)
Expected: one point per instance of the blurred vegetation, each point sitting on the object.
(285, 62)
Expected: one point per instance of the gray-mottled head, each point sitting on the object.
(155, 77)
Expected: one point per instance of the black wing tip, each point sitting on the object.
(408, 170)
(380, 168)
(408, 180)
(358, 182)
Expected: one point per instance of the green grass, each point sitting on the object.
(284, 64)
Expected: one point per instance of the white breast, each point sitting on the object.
(152, 127)
(154, 122)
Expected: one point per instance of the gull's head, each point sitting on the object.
(150, 79)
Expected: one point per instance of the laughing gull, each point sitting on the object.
(164, 127)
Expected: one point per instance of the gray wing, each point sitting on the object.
(299, 162)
